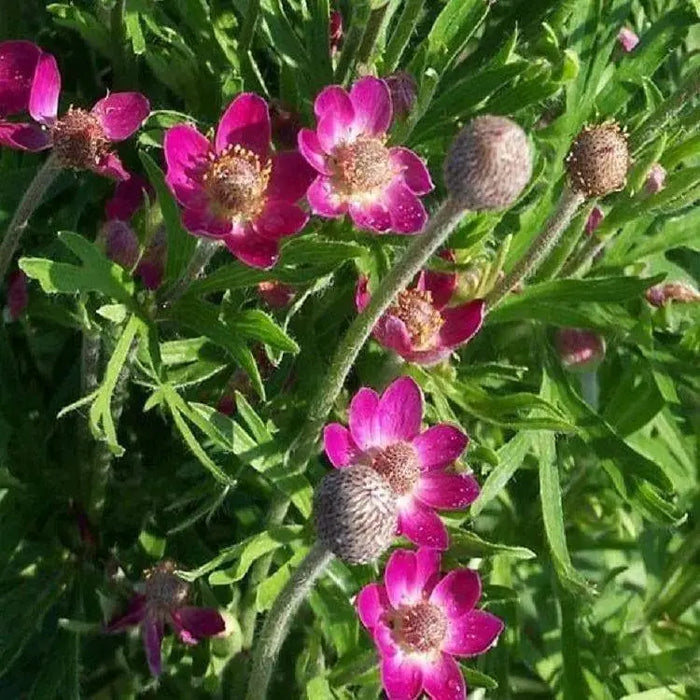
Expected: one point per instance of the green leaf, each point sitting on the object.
(93, 32)
(466, 545)
(255, 324)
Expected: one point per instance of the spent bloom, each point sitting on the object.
(234, 189)
(385, 434)
(79, 139)
(356, 172)
(164, 600)
(579, 350)
(18, 60)
(627, 39)
(420, 621)
(420, 326)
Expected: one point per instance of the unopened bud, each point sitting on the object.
(678, 292)
(403, 89)
(276, 295)
(656, 179)
(594, 220)
(628, 39)
(579, 350)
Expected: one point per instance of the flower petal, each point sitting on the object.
(334, 128)
(252, 249)
(363, 419)
(371, 216)
(441, 286)
(400, 411)
(18, 60)
(384, 639)
(443, 679)
(324, 200)
(371, 101)
(444, 490)
(152, 633)
(246, 122)
(372, 602)
(340, 448)
(334, 100)
(129, 196)
(392, 333)
(110, 165)
(427, 358)
(46, 87)
(279, 219)
(457, 593)
(24, 137)
(407, 213)
(199, 622)
(186, 153)
(121, 114)
(401, 677)
(440, 445)
(461, 322)
(290, 177)
(472, 633)
(135, 612)
(422, 526)
(203, 223)
(413, 170)
(409, 576)
(310, 148)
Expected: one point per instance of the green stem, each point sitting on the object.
(203, 253)
(361, 13)
(569, 202)
(369, 39)
(580, 260)
(27, 206)
(280, 617)
(402, 33)
(555, 261)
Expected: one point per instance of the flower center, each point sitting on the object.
(398, 465)
(164, 590)
(236, 182)
(422, 319)
(363, 165)
(79, 141)
(420, 627)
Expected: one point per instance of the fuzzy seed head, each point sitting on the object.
(599, 160)
(489, 164)
(356, 514)
(79, 141)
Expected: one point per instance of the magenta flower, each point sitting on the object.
(385, 433)
(627, 39)
(164, 600)
(80, 139)
(17, 294)
(419, 325)
(357, 173)
(420, 622)
(234, 189)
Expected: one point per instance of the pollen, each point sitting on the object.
(79, 141)
(164, 590)
(398, 465)
(363, 166)
(422, 319)
(420, 628)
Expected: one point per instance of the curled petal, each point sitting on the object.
(413, 170)
(18, 60)
(340, 448)
(371, 216)
(324, 200)
(24, 137)
(310, 148)
(135, 612)
(457, 593)
(152, 640)
(110, 165)
(186, 152)
(407, 213)
(422, 526)
(334, 100)
(46, 87)
(428, 358)
(121, 114)
(400, 411)
(443, 490)
(363, 419)
(440, 445)
(443, 680)
(252, 249)
(201, 222)
(461, 322)
(372, 602)
(472, 633)
(402, 677)
(290, 177)
(246, 122)
(371, 101)
(279, 219)
(198, 623)
(401, 579)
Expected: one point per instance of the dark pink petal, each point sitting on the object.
(441, 286)
(129, 196)
(392, 333)
(290, 177)
(324, 200)
(203, 223)
(46, 87)
(444, 490)
(443, 680)
(371, 216)
(362, 296)
(457, 593)
(363, 419)
(152, 631)
(121, 114)
(472, 634)
(252, 249)
(135, 612)
(333, 99)
(186, 153)
(340, 448)
(24, 137)
(372, 602)
(422, 526)
(440, 445)
(461, 322)
(407, 213)
(334, 128)
(110, 166)
(413, 170)
(199, 622)
(279, 219)
(18, 60)
(401, 677)
(384, 639)
(400, 411)
(410, 576)
(371, 101)
(246, 122)
(310, 148)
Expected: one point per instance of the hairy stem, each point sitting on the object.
(279, 619)
(203, 253)
(581, 260)
(31, 200)
(569, 203)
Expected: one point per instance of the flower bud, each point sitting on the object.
(276, 295)
(120, 243)
(594, 220)
(489, 164)
(678, 292)
(335, 30)
(403, 89)
(579, 350)
(599, 160)
(627, 39)
(656, 179)
(17, 295)
(356, 514)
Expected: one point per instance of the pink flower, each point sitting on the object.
(594, 220)
(579, 350)
(164, 601)
(419, 325)
(17, 294)
(357, 173)
(234, 189)
(80, 139)
(276, 295)
(420, 621)
(628, 39)
(385, 433)
(656, 179)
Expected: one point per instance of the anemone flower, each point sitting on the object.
(356, 172)
(233, 189)
(385, 433)
(420, 621)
